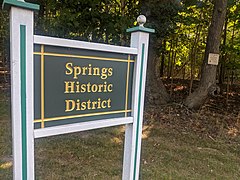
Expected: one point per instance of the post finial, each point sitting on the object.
(141, 20)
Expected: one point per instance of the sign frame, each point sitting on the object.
(63, 129)
(22, 41)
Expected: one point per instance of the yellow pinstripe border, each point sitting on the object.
(42, 86)
(81, 115)
(83, 57)
(126, 98)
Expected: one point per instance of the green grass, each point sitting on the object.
(171, 155)
(166, 154)
(5, 139)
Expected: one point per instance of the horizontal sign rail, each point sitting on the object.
(51, 131)
(83, 45)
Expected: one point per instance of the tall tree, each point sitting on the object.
(207, 84)
(161, 16)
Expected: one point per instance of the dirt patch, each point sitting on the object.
(220, 116)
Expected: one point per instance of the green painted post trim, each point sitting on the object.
(23, 99)
(139, 109)
(7, 3)
(142, 29)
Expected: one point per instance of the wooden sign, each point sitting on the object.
(213, 59)
(77, 85)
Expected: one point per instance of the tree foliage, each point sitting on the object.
(4, 31)
(92, 20)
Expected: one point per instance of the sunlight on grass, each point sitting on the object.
(6, 165)
(233, 131)
(146, 131)
(116, 140)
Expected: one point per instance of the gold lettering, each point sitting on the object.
(99, 103)
(89, 87)
(96, 71)
(110, 71)
(69, 68)
(78, 105)
(88, 104)
(104, 73)
(69, 87)
(104, 106)
(77, 71)
(83, 88)
(109, 103)
(84, 69)
(94, 88)
(77, 87)
(100, 86)
(89, 69)
(83, 106)
(110, 87)
(94, 103)
(105, 87)
(70, 105)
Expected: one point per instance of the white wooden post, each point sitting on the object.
(133, 134)
(21, 56)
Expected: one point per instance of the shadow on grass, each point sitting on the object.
(87, 155)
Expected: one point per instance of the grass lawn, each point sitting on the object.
(166, 154)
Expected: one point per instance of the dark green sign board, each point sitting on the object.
(78, 85)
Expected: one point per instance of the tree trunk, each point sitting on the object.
(157, 91)
(207, 84)
(163, 58)
(224, 55)
(174, 55)
(193, 57)
(169, 61)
